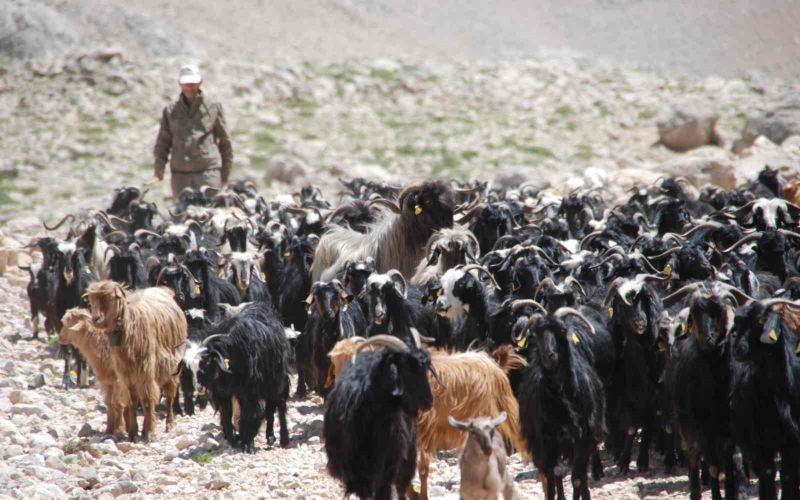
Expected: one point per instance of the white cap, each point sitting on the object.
(190, 74)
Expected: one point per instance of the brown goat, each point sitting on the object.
(147, 334)
(77, 330)
(474, 385)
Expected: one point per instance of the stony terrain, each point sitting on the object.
(80, 123)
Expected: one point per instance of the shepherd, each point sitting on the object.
(193, 138)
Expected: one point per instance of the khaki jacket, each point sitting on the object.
(194, 139)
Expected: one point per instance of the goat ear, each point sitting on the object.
(119, 293)
(456, 424)
(772, 329)
(499, 420)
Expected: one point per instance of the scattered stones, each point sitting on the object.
(89, 477)
(39, 380)
(217, 482)
(27, 409)
(86, 431)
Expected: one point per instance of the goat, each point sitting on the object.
(147, 332)
(393, 307)
(483, 461)
(446, 249)
(332, 319)
(78, 330)
(395, 242)
(472, 384)
(464, 295)
(562, 404)
(37, 297)
(244, 274)
(248, 361)
(765, 395)
(635, 310)
(370, 423)
(699, 381)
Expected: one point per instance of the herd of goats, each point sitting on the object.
(451, 316)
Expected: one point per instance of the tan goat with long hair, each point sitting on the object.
(147, 333)
(77, 329)
(474, 385)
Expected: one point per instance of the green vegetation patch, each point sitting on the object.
(202, 458)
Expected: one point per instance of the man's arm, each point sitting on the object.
(224, 145)
(163, 145)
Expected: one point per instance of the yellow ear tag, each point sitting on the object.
(522, 343)
(221, 273)
(86, 269)
(417, 209)
(668, 269)
(227, 363)
(197, 288)
(575, 339)
(610, 312)
(661, 345)
(773, 335)
(683, 328)
(263, 276)
(439, 292)
(50, 268)
(797, 349)
(287, 254)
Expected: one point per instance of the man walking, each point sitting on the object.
(193, 138)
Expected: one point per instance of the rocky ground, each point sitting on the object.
(82, 124)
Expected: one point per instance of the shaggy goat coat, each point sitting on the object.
(79, 331)
(152, 332)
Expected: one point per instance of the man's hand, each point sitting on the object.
(160, 176)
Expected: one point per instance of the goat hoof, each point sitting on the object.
(145, 437)
(270, 440)
(249, 448)
(284, 442)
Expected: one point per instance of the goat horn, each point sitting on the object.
(114, 234)
(389, 341)
(547, 282)
(677, 295)
(570, 311)
(140, 232)
(527, 302)
(393, 274)
(750, 237)
(745, 207)
(472, 213)
(665, 254)
(541, 251)
(705, 225)
(794, 304)
(614, 256)
(503, 239)
(741, 297)
(470, 267)
(589, 236)
(790, 234)
(612, 289)
(59, 223)
(161, 274)
(575, 283)
(211, 337)
(114, 249)
(386, 203)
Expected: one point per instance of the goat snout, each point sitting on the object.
(98, 318)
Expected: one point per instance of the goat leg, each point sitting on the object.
(789, 467)
(735, 480)
(269, 414)
(226, 420)
(171, 393)
(695, 489)
(624, 460)
(643, 460)
(282, 420)
(423, 468)
(597, 466)
(580, 477)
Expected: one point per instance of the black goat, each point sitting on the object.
(248, 361)
(634, 326)
(370, 424)
(393, 307)
(37, 298)
(214, 290)
(698, 378)
(562, 403)
(765, 394)
(468, 304)
(332, 318)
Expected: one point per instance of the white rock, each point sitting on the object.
(19, 397)
(55, 463)
(39, 380)
(90, 476)
(217, 482)
(12, 450)
(43, 491)
(184, 442)
(42, 441)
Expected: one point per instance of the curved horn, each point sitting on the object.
(794, 304)
(547, 282)
(570, 311)
(790, 234)
(750, 237)
(114, 234)
(405, 194)
(396, 276)
(211, 337)
(612, 289)
(114, 249)
(389, 341)
(705, 225)
(572, 281)
(472, 213)
(677, 295)
(140, 232)
(527, 302)
(665, 254)
(59, 223)
(470, 267)
(386, 203)
(741, 297)
(503, 239)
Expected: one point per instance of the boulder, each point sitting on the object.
(688, 125)
(285, 168)
(776, 124)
